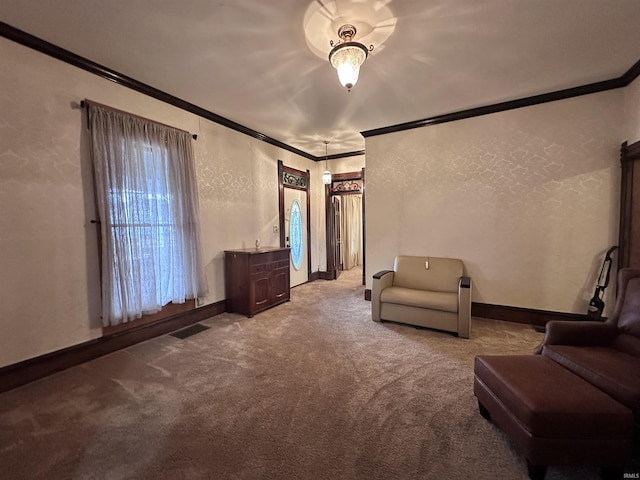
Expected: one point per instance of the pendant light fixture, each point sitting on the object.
(326, 175)
(347, 56)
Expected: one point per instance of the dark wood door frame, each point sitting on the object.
(328, 193)
(298, 180)
(629, 155)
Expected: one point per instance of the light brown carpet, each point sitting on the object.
(312, 389)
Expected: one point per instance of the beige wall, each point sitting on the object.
(49, 275)
(345, 165)
(238, 187)
(528, 198)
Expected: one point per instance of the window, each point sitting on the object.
(147, 201)
(295, 234)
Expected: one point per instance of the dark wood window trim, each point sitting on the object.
(167, 311)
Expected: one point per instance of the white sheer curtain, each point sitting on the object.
(148, 206)
(351, 230)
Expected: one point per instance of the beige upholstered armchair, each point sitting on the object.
(428, 292)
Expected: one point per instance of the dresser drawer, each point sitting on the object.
(261, 267)
(281, 264)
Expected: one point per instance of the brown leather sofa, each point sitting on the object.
(577, 400)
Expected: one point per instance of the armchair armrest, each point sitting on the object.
(578, 333)
(381, 274)
(381, 280)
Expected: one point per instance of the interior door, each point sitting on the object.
(295, 203)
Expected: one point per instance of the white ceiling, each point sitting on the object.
(252, 61)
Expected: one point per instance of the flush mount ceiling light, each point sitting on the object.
(347, 56)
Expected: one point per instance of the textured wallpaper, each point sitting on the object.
(527, 198)
(344, 165)
(238, 191)
(48, 249)
(49, 269)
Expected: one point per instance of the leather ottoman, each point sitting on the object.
(553, 416)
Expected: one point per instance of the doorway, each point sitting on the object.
(295, 228)
(345, 223)
(295, 223)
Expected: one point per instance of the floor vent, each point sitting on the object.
(189, 331)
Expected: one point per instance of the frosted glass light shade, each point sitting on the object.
(346, 58)
(326, 177)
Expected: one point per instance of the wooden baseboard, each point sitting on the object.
(319, 275)
(325, 276)
(21, 373)
(527, 316)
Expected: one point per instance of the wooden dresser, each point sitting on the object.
(256, 279)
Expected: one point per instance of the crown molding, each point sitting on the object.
(336, 156)
(622, 81)
(71, 58)
(498, 107)
(631, 74)
(42, 46)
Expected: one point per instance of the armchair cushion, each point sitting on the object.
(443, 274)
(443, 301)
